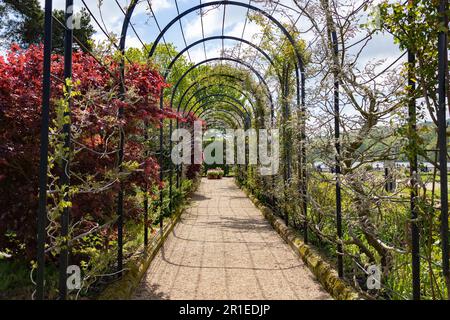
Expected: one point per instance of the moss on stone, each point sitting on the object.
(323, 271)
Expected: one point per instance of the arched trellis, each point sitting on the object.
(240, 40)
(130, 9)
(246, 118)
(182, 77)
(299, 63)
(442, 77)
(192, 68)
(121, 48)
(299, 70)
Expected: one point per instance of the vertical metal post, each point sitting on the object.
(285, 143)
(146, 195)
(337, 137)
(170, 169)
(413, 165)
(120, 208)
(304, 163)
(442, 137)
(43, 164)
(146, 218)
(65, 177)
(161, 163)
(178, 167)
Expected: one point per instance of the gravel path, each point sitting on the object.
(223, 249)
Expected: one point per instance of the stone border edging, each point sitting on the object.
(323, 270)
(137, 267)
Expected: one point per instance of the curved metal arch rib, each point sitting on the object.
(225, 86)
(232, 113)
(237, 4)
(219, 121)
(218, 95)
(209, 112)
(244, 123)
(235, 108)
(261, 79)
(299, 65)
(169, 68)
(246, 120)
(220, 75)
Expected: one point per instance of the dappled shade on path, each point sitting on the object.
(223, 248)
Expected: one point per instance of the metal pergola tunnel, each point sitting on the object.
(203, 99)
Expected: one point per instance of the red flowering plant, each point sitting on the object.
(96, 126)
(193, 170)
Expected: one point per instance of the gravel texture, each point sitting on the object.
(224, 249)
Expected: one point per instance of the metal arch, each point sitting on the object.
(219, 112)
(231, 3)
(246, 121)
(126, 23)
(120, 200)
(169, 68)
(210, 110)
(222, 75)
(210, 60)
(222, 85)
(219, 95)
(224, 112)
(235, 107)
(299, 65)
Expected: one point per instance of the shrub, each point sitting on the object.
(95, 177)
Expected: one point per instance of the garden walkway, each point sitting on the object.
(223, 248)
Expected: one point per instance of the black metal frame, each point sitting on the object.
(228, 76)
(300, 86)
(222, 85)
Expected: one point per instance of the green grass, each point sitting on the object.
(15, 281)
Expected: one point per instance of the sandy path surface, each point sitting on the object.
(223, 248)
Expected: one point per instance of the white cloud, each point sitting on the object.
(133, 42)
(212, 22)
(157, 6)
(252, 31)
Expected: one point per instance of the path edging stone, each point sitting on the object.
(322, 269)
(124, 288)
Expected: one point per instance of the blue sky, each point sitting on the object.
(381, 47)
